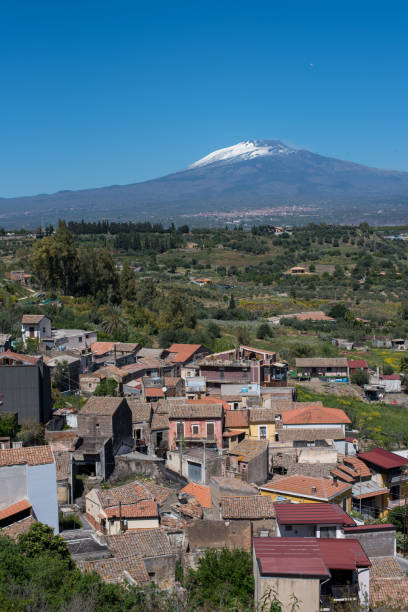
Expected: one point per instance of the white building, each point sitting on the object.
(35, 327)
(28, 483)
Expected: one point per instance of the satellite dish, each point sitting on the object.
(164, 389)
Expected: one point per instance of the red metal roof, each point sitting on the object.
(383, 458)
(308, 556)
(19, 506)
(315, 514)
(390, 377)
(357, 363)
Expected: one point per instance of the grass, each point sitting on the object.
(379, 424)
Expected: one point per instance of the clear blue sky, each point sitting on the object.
(98, 93)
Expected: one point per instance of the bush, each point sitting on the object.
(264, 331)
(107, 387)
(70, 521)
(388, 369)
(360, 378)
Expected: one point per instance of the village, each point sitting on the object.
(172, 452)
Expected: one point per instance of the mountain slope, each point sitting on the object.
(245, 176)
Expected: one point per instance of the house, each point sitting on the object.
(72, 367)
(141, 419)
(398, 344)
(184, 354)
(343, 343)
(201, 494)
(248, 460)
(236, 427)
(389, 471)
(159, 426)
(121, 509)
(28, 483)
(19, 276)
(151, 545)
(262, 424)
(297, 270)
(35, 327)
(308, 489)
(318, 417)
(70, 340)
(105, 430)
(88, 382)
(314, 571)
(357, 364)
(195, 424)
(113, 570)
(195, 386)
(380, 341)
(332, 367)
(229, 487)
(196, 463)
(391, 383)
(319, 520)
(25, 387)
(259, 510)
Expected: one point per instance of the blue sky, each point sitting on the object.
(99, 93)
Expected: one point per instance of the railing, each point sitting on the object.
(339, 594)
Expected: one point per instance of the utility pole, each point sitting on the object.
(205, 466)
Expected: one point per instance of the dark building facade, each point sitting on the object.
(25, 389)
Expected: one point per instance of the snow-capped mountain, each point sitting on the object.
(249, 149)
(246, 176)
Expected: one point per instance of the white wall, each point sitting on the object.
(13, 485)
(364, 586)
(42, 493)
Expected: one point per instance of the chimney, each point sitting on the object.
(314, 489)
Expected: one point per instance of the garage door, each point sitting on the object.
(194, 471)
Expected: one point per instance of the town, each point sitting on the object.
(172, 454)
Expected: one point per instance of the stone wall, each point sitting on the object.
(204, 534)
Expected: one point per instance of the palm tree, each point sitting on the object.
(114, 324)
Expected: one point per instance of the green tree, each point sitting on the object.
(213, 330)
(114, 324)
(388, 369)
(61, 376)
(32, 434)
(221, 579)
(232, 305)
(360, 378)
(242, 335)
(127, 283)
(107, 387)
(404, 364)
(264, 331)
(40, 539)
(8, 424)
(397, 517)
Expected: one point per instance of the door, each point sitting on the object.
(194, 471)
(210, 432)
(180, 430)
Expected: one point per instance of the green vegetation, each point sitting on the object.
(380, 424)
(107, 387)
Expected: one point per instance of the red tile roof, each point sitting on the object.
(31, 455)
(184, 352)
(308, 556)
(355, 364)
(372, 527)
(314, 415)
(15, 529)
(154, 392)
(19, 506)
(383, 458)
(101, 348)
(312, 514)
(143, 509)
(25, 359)
(237, 418)
(247, 508)
(201, 493)
(306, 486)
(359, 466)
(210, 400)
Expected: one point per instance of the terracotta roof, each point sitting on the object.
(210, 400)
(253, 507)
(391, 594)
(262, 415)
(159, 421)
(321, 362)
(231, 433)
(159, 493)
(171, 381)
(347, 470)
(237, 418)
(153, 392)
(310, 434)
(359, 466)
(233, 484)
(31, 455)
(146, 508)
(19, 506)
(25, 359)
(102, 405)
(249, 449)
(318, 470)
(201, 493)
(148, 543)
(196, 411)
(383, 458)
(314, 416)
(129, 493)
(190, 509)
(342, 475)
(113, 569)
(307, 486)
(101, 348)
(141, 411)
(184, 352)
(385, 567)
(357, 364)
(15, 529)
(315, 514)
(126, 347)
(31, 319)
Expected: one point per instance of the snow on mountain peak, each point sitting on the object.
(249, 149)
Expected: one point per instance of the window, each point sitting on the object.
(195, 430)
(328, 532)
(210, 431)
(43, 330)
(180, 430)
(288, 527)
(80, 339)
(262, 432)
(222, 374)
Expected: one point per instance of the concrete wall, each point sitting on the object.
(377, 543)
(162, 570)
(202, 534)
(258, 468)
(42, 493)
(13, 485)
(306, 590)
